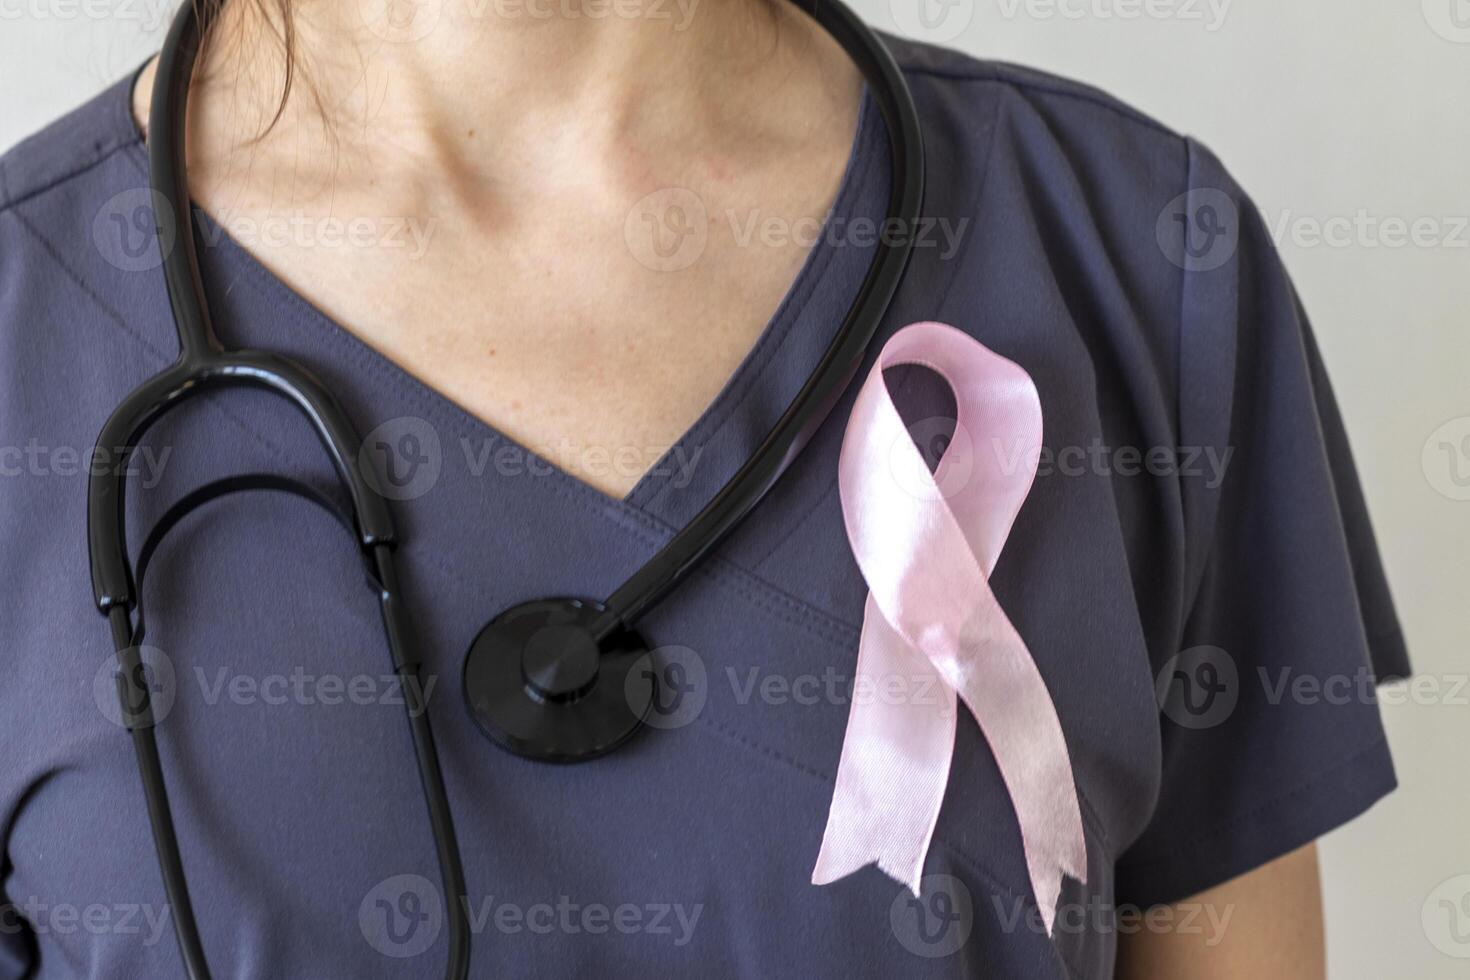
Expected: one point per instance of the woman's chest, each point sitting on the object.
(292, 776)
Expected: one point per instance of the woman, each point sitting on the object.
(567, 264)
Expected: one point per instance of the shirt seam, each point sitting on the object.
(995, 73)
(125, 135)
(11, 206)
(1219, 830)
(1196, 565)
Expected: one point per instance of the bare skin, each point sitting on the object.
(1272, 929)
(524, 151)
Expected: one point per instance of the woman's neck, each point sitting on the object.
(510, 95)
(586, 186)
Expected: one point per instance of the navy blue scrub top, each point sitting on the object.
(1194, 573)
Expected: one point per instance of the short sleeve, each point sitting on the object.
(1269, 722)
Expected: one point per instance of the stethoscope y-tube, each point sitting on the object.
(203, 365)
(556, 680)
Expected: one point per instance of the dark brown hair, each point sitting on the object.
(275, 16)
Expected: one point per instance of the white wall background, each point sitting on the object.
(1324, 109)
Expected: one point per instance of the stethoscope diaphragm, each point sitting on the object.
(539, 684)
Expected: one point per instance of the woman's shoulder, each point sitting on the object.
(73, 200)
(80, 294)
(81, 145)
(75, 212)
(1122, 212)
(1078, 166)
(1072, 107)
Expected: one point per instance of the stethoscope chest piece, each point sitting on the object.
(557, 680)
(539, 684)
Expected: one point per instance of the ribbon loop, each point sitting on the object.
(926, 545)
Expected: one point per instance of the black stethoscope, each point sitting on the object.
(551, 680)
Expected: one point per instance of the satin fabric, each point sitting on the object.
(932, 628)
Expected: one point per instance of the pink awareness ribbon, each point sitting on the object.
(926, 545)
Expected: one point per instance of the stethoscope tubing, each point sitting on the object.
(842, 359)
(203, 364)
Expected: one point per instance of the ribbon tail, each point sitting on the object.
(1004, 690)
(927, 542)
(895, 761)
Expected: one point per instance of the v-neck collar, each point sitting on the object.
(703, 459)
